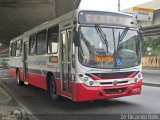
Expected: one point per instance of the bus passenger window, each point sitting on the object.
(13, 49)
(19, 48)
(69, 35)
(32, 44)
(53, 40)
(41, 43)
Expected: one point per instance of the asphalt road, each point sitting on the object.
(39, 103)
(152, 77)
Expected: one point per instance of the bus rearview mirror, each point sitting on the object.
(77, 38)
(141, 35)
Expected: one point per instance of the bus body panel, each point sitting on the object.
(38, 81)
(12, 72)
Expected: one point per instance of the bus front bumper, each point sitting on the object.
(85, 93)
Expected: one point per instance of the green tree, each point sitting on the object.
(152, 42)
(3, 63)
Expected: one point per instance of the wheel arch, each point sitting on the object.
(18, 70)
(48, 77)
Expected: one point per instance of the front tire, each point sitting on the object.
(53, 89)
(20, 83)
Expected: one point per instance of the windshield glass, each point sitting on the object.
(102, 47)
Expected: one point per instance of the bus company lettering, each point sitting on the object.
(37, 62)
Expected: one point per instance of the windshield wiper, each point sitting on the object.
(102, 36)
(122, 36)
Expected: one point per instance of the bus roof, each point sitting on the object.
(72, 14)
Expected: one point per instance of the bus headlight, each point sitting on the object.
(85, 78)
(139, 75)
(137, 78)
(88, 81)
(91, 83)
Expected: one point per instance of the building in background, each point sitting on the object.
(151, 32)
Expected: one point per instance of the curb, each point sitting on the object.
(151, 84)
(150, 72)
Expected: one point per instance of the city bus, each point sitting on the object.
(82, 55)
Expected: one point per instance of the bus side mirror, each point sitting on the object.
(77, 38)
(141, 35)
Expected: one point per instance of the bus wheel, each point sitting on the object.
(53, 89)
(18, 79)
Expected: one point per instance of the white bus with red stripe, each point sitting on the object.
(82, 55)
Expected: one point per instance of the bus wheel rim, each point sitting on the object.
(53, 88)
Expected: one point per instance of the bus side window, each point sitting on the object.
(52, 40)
(73, 50)
(13, 49)
(19, 48)
(41, 42)
(32, 44)
(11, 44)
(69, 35)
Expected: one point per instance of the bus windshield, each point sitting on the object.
(106, 47)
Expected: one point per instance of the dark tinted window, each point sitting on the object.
(32, 44)
(19, 48)
(13, 49)
(53, 40)
(41, 42)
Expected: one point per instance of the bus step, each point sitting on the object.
(26, 82)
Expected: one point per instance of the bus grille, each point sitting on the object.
(116, 75)
(115, 91)
(110, 83)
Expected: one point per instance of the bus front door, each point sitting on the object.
(66, 67)
(25, 63)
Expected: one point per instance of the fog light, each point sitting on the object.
(90, 82)
(136, 89)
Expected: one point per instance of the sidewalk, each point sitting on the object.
(152, 72)
(10, 106)
(10, 109)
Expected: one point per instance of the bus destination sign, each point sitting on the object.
(106, 18)
(104, 59)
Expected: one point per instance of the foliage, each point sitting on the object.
(3, 63)
(152, 42)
